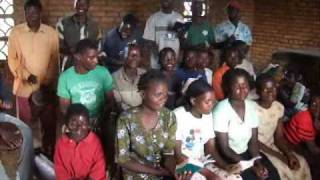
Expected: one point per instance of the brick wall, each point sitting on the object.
(275, 24)
(284, 24)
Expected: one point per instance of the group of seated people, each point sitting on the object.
(195, 117)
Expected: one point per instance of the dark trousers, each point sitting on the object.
(249, 174)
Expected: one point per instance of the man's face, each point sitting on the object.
(233, 14)
(81, 7)
(125, 30)
(33, 16)
(89, 59)
(166, 4)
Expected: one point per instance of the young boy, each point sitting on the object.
(203, 64)
(79, 153)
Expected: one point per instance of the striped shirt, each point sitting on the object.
(300, 128)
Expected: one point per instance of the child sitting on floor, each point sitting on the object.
(79, 154)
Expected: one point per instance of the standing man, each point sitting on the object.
(232, 29)
(33, 62)
(74, 28)
(158, 31)
(200, 33)
(117, 40)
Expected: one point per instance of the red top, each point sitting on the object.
(300, 128)
(217, 81)
(82, 160)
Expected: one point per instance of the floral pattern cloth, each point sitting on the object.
(146, 147)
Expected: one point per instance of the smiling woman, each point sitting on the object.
(6, 24)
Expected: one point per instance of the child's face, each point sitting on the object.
(204, 103)
(169, 61)
(203, 60)
(268, 91)
(78, 127)
(134, 57)
(190, 60)
(232, 58)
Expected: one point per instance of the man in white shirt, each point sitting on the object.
(157, 30)
(232, 29)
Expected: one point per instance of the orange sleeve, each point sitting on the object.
(217, 85)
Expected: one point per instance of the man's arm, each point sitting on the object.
(64, 104)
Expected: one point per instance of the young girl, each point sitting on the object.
(230, 58)
(203, 64)
(189, 67)
(79, 153)
(235, 122)
(290, 165)
(195, 135)
(168, 65)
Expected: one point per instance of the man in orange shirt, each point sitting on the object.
(33, 61)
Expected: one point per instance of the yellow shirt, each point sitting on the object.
(34, 53)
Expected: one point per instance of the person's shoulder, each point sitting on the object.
(278, 105)
(179, 110)
(223, 24)
(18, 28)
(92, 138)
(243, 24)
(117, 73)
(48, 29)
(178, 15)
(221, 105)
(68, 72)
(304, 116)
(101, 69)
(111, 33)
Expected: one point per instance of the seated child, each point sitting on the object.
(168, 65)
(195, 138)
(189, 67)
(292, 93)
(230, 58)
(79, 153)
(203, 64)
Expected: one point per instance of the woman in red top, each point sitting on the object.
(79, 154)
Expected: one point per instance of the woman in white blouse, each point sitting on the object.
(235, 122)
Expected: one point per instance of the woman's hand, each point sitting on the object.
(260, 171)
(11, 137)
(293, 162)
(184, 176)
(233, 168)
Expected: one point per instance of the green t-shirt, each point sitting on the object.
(88, 89)
(200, 34)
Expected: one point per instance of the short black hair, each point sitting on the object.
(262, 79)
(130, 19)
(163, 53)
(33, 3)
(225, 51)
(151, 76)
(76, 109)
(195, 89)
(85, 44)
(229, 78)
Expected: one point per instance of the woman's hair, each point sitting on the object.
(76, 109)
(151, 76)
(230, 77)
(163, 53)
(262, 79)
(195, 89)
(33, 3)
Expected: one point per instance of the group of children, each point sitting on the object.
(212, 125)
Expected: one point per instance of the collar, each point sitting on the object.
(41, 28)
(74, 20)
(86, 140)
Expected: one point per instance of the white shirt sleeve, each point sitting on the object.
(179, 131)
(209, 131)
(149, 30)
(220, 118)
